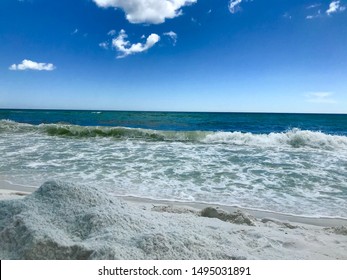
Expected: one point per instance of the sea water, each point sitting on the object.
(287, 163)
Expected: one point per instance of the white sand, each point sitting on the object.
(64, 221)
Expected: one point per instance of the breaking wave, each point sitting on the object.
(294, 138)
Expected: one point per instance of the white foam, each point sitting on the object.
(294, 138)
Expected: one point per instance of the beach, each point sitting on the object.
(66, 221)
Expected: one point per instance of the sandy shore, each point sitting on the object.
(149, 229)
(8, 190)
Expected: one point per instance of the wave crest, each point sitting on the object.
(114, 132)
(294, 138)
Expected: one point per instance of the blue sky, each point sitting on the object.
(174, 55)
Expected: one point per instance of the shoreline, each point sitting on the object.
(259, 214)
(6, 185)
(9, 191)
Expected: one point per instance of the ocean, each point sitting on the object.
(287, 163)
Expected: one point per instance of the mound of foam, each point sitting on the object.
(66, 221)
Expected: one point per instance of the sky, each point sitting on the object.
(174, 55)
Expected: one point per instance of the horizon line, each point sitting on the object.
(173, 111)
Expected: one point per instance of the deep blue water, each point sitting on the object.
(181, 121)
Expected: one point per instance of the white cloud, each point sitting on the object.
(313, 6)
(172, 35)
(318, 14)
(111, 32)
(147, 11)
(103, 45)
(125, 48)
(32, 65)
(320, 97)
(75, 31)
(335, 7)
(234, 6)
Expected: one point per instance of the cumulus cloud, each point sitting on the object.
(147, 11)
(320, 97)
(172, 35)
(125, 48)
(334, 7)
(234, 6)
(32, 65)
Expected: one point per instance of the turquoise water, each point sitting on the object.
(180, 121)
(288, 163)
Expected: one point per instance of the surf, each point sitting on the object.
(294, 138)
